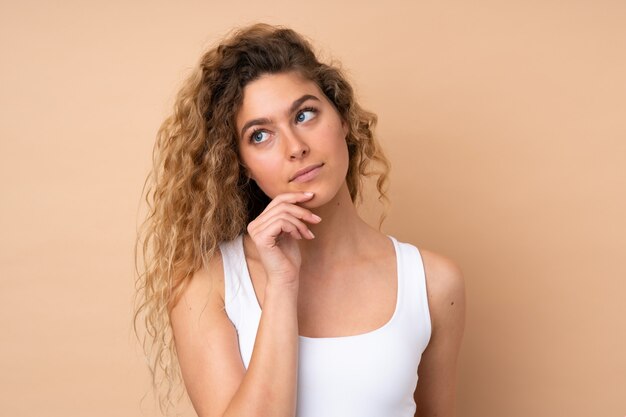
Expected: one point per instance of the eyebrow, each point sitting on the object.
(294, 106)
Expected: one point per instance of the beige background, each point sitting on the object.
(506, 126)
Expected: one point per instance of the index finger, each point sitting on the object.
(289, 198)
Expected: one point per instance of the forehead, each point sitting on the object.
(271, 95)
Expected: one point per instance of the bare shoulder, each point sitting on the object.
(206, 284)
(200, 304)
(442, 273)
(445, 285)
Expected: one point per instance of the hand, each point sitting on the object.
(275, 233)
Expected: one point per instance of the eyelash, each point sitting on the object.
(311, 109)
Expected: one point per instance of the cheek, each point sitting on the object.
(264, 171)
(258, 163)
(340, 144)
(345, 157)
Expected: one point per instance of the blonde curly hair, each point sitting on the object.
(197, 192)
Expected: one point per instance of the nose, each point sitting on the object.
(295, 145)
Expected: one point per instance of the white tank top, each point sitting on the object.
(367, 375)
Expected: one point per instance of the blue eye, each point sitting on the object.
(305, 115)
(259, 136)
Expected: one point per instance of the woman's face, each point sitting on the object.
(291, 137)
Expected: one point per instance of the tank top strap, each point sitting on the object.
(414, 314)
(232, 280)
(238, 291)
(240, 300)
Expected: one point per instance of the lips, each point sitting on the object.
(304, 171)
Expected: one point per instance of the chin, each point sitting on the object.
(322, 197)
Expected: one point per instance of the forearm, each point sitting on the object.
(269, 387)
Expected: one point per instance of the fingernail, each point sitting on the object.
(316, 217)
(308, 193)
(311, 233)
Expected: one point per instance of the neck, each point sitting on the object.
(337, 236)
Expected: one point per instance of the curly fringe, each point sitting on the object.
(197, 194)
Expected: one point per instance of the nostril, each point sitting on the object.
(298, 154)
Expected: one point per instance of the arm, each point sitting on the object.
(436, 388)
(206, 340)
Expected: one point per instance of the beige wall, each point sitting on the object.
(506, 126)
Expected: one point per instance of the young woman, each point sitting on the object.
(261, 281)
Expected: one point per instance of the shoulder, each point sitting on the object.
(445, 286)
(205, 286)
(442, 273)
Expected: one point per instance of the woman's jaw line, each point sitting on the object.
(340, 225)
